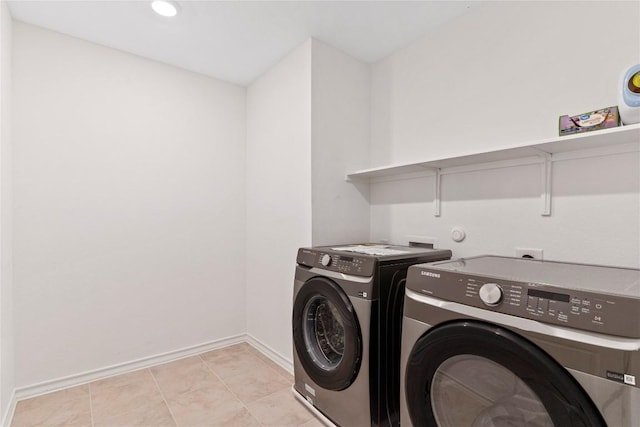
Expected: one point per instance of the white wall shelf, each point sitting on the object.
(618, 140)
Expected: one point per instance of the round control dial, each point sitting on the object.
(326, 260)
(491, 294)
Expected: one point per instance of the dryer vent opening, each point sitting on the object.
(421, 245)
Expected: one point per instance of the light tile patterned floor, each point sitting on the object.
(232, 386)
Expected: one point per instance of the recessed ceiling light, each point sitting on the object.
(165, 8)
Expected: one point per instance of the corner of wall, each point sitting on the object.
(278, 193)
(8, 413)
(7, 371)
(340, 129)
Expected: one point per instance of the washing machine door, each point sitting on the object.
(326, 334)
(471, 373)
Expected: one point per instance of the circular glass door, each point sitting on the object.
(326, 334)
(323, 332)
(475, 374)
(470, 390)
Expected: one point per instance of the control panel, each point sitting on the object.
(587, 310)
(341, 263)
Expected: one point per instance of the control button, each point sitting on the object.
(543, 304)
(575, 300)
(586, 302)
(598, 306)
(491, 294)
(532, 303)
(326, 260)
(514, 290)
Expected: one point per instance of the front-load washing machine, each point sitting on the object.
(496, 341)
(347, 315)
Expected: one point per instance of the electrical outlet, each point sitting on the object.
(529, 253)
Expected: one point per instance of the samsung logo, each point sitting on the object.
(615, 376)
(430, 274)
(621, 378)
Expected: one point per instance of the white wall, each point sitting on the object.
(496, 77)
(307, 122)
(137, 231)
(278, 195)
(500, 74)
(6, 275)
(129, 207)
(340, 142)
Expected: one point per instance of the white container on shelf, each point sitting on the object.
(629, 95)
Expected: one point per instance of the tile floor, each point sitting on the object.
(232, 386)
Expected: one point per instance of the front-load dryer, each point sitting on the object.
(496, 341)
(347, 315)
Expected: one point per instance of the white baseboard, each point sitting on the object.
(121, 368)
(282, 361)
(134, 365)
(11, 409)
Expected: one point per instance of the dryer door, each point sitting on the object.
(326, 334)
(472, 373)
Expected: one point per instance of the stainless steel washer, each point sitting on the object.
(347, 315)
(491, 341)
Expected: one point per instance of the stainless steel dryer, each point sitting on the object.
(347, 315)
(491, 341)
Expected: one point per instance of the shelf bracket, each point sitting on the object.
(545, 181)
(436, 198)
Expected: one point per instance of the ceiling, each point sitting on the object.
(237, 41)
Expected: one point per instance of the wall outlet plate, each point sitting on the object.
(529, 253)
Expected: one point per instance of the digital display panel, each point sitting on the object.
(553, 296)
(346, 258)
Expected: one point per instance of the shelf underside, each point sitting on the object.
(626, 138)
